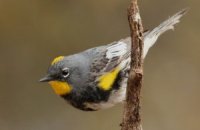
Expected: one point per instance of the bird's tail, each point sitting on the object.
(151, 37)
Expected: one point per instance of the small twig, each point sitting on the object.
(132, 118)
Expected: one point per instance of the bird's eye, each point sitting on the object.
(65, 72)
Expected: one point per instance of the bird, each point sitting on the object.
(96, 78)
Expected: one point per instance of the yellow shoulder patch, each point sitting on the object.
(57, 59)
(106, 81)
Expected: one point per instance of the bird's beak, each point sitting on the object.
(47, 78)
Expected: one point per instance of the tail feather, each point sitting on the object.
(151, 37)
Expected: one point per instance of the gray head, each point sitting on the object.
(66, 73)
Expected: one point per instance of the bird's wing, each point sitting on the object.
(109, 62)
(112, 56)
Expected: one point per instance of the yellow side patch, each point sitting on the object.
(57, 59)
(106, 81)
(60, 88)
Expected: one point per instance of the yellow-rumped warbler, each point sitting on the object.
(97, 78)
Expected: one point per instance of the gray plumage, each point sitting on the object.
(86, 67)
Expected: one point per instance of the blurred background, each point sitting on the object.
(33, 32)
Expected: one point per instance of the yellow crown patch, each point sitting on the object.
(57, 59)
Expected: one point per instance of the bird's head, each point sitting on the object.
(64, 74)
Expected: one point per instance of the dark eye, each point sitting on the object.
(65, 72)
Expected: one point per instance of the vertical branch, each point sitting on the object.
(131, 117)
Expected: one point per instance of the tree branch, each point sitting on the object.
(131, 116)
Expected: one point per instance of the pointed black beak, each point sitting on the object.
(46, 79)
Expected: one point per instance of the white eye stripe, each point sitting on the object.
(65, 69)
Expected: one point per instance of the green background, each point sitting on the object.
(33, 32)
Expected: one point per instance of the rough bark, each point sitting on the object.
(131, 116)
